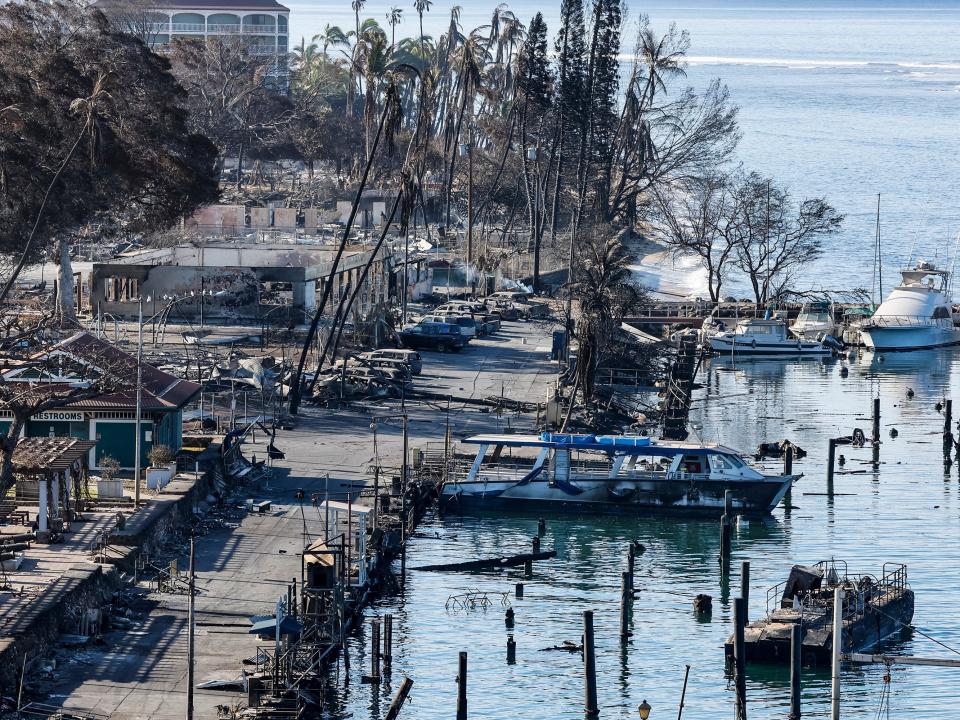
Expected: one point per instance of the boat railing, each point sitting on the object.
(896, 321)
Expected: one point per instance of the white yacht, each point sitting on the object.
(917, 314)
(767, 336)
(814, 321)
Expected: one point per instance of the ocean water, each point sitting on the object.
(908, 511)
(845, 100)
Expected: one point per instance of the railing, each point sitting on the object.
(224, 29)
(189, 27)
(259, 29)
(154, 28)
(896, 321)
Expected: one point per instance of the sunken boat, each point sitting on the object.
(874, 609)
(608, 474)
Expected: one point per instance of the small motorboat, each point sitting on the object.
(814, 321)
(917, 315)
(765, 336)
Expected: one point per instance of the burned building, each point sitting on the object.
(276, 283)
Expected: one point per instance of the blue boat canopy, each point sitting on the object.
(611, 444)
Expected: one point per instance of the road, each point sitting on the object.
(141, 672)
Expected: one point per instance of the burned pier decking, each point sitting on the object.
(873, 610)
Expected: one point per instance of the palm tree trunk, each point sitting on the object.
(295, 387)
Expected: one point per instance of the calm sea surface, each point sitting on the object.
(908, 511)
(842, 99)
(845, 100)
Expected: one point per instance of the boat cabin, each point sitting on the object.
(561, 456)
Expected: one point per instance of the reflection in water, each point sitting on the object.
(906, 511)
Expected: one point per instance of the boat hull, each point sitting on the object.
(723, 344)
(895, 339)
(753, 498)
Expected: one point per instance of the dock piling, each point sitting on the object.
(387, 642)
(788, 460)
(625, 596)
(725, 541)
(631, 562)
(831, 461)
(795, 666)
(375, 651)
(508, 617)
(745, 589)
(399, 699)
(541, 526)
(462, 687)
(876, 432)
(947, 430)
(536, 544)
(511, 650)
(518, 591)
(528, 569)
(739, 650)
(590, 709)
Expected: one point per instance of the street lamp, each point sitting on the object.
(644, 710)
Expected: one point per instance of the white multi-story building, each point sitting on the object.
(262, 25)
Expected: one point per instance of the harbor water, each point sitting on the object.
(907, 511)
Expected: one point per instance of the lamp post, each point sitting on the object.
(644, 709)
(137, 440)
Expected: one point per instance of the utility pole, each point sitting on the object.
(403, 481)
(837, 649)
(137, 438)
(190, 646)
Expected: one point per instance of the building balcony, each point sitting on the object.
(259, 29)
(189, 28)
(154, 28)
(224, 29)
(261, 51)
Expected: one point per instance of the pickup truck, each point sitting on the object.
(433, 336)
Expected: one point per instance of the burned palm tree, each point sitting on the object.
(390, 120)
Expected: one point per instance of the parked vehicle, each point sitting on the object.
(505, 309)
(468, 330)
(433, 336)
(393, 368)
(409, 357)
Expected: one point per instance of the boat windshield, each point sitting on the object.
(754, 329)
(813, 316)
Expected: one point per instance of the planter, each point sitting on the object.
(109, 488)
(158, 477)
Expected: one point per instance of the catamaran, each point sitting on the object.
(918, 313)
(609, 474)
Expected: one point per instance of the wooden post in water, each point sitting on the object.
(590, 709)
(536, 544)
(745, 589)
(375, 651)
(796, 658)
(528, 569)
(518, 590)
(876, 432)
(788, 460)
(947, 430)
(399, 699)
(631, 562)
(837, 648)
(725, 531)
(624, 607)
(387, 642)
(462, 688)
(541, 526)
(511, 650)
(739, 659)
(831, 459)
